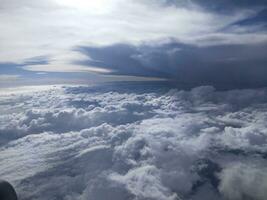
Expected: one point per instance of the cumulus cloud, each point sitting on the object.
(144, 183)
(117, 142)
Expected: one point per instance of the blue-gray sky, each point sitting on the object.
(194, 42)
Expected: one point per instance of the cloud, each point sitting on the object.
(65, 68)
(224, 66)
(7, 77)
(133, 142)
(244, 181)
(144, 183)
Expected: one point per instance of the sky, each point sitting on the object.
(195, 42)
(134, 99)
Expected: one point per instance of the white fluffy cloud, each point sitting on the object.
(108, 143)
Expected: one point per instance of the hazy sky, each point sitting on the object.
(196, 42)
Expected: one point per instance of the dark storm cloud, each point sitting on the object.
(223, 66)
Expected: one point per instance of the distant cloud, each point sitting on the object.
(64, 68)
(62, 26)
(8, 77)
(224, 66)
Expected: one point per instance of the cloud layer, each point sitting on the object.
(117, 142)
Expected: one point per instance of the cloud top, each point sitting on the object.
(147, 143)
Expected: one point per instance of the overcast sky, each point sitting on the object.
(194, 42)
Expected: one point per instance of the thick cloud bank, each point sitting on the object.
(107, 142)
(223, 66)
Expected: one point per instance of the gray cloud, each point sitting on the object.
(224, 66)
